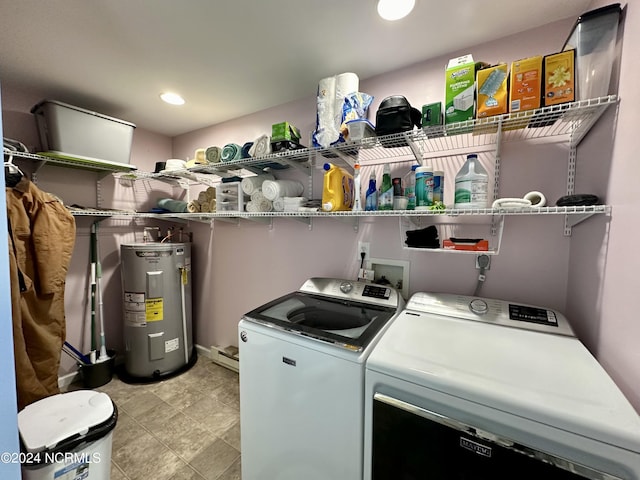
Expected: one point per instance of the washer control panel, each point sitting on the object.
(354, 290)
(493, 311)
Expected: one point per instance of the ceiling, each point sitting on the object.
(233, 58)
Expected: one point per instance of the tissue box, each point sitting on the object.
(79, 132)
(284, 131)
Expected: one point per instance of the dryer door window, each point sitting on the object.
(410, 442)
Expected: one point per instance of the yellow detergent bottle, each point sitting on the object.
(337, 191)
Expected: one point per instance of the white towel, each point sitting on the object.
(273, 189)
(251, 184)
(259, 203)
(261, 146)
(193, 206)
(278, 204)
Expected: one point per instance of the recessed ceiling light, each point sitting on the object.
(395, 9)
(172, 98)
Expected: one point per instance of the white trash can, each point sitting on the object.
(67, 437)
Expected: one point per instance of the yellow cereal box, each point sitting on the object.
(559, 78)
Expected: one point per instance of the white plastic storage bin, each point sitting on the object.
(68, 436)
(230, 197)
(79, 132)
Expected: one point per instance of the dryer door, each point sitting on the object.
(410, 442)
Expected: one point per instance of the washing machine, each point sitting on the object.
(472, 388)
(302, 360)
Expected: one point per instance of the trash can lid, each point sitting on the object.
(47, 422)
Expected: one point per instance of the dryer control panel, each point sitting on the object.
(493, 311)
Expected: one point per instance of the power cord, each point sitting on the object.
(362, 255)
(483, 262)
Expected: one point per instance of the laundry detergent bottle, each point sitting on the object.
(472, 185)
(337, 190)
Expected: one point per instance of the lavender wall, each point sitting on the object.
(253, 263)
(589, 276)
(603, 280)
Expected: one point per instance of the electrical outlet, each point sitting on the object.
(483, 261)
(363, 247)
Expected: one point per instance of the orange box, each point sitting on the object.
(478, 246)
(491, 83)
(526, 84)
(559, 78)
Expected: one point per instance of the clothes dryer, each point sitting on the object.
(461, 387)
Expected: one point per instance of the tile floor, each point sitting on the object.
(182, 428)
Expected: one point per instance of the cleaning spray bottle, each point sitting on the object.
(371, 201)
(385, 202)
(357, 202)
(472, 185)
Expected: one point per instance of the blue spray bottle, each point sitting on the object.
(371, 200)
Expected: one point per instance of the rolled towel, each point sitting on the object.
(211, 193)
(250, 184)
(260, 203)
(244, 152)
(230, 152)
(202, 197)
(193, 206)
(278, 204)
(213, 154)
(175, 206)
(261, 146)
(293, 204)
(281, 188)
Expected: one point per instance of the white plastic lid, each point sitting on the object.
(47, 422)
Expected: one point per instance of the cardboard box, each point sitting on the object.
(492, 91)
(526, 84)
(559, 78)
(284, 131)
(469, 246)
(432, 114)
(460, 89)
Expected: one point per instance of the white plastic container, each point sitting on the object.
(68, 436)
(472, 185)
(78, 132)
(594, 38)
(424, 187)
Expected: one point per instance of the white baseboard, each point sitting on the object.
(65, 380)
(204, 352)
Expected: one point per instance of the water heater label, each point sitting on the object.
(153, 309)
(171, 345)
(133, 297)
(134, 319)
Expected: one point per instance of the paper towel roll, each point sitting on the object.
(250, 184)
(326, 126)
(273, 189)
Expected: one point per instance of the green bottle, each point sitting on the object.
(385, 201)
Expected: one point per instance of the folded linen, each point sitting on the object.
(230, 152)
(244, 151)
(281, 188)
(175, 206)
(250, 184)
(213, 154)
(259, 205)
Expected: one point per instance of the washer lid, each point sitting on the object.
(550, 379)
(47, 422)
